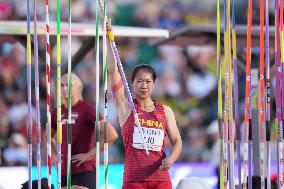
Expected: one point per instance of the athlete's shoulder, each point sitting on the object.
(168, 110)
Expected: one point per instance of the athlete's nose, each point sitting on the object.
(144, 85)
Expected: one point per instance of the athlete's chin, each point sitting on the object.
(64, 97)
(143, 97)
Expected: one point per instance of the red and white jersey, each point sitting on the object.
(138, 165)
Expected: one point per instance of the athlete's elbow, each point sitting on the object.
(178, 143)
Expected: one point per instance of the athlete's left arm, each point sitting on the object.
(174, 137)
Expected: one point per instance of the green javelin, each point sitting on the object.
(58, 75)
(97, 137)
(69, 99)
(105, 95)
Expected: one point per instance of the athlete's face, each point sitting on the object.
(143, 84)
(64, 88)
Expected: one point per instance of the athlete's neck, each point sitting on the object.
(146, 103)
(73, 103)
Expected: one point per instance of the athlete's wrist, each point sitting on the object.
(170, 160)
(90, 154)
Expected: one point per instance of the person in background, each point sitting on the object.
(83, 134)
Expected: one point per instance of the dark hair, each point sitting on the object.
(146, 68)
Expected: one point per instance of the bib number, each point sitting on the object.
(154, 138)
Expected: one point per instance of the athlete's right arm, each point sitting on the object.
(117, 86)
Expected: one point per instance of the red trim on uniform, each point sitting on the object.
(116, 87)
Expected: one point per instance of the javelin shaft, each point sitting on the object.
(220, 116)
(281, 79)
(48, 112)
(129, 96)
(97, 139)
(279, 58)
(226, 100)
(236, 95)
(282, 56)
(278, 96)
(247, 97)
(58, 80)
(261, 96)
(38, 125)
(267, 66)
(29, 125)
(105, 97)
(69, 163)
(229, 101)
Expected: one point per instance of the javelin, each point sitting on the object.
(225, 123)
(69, 167)
(282, 54)
(29, 126)
(278, 96)
(220, 116)
(261, 96)
(38, 125)
(126, 87)
(247, 99)
(97, 137)
(105, 97)
(229, 130)
(236, 95)
(229, 100)
(58, 75)
(267, 65)
(48, 114)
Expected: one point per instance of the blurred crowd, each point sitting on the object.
(186, 76)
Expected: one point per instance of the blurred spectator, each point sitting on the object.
(4, 136)
(18, 111)
(16, 152)
(172, 16)
(147, 13)
(212, 154)
(5, 10)
(194, 146)
(201, 82)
